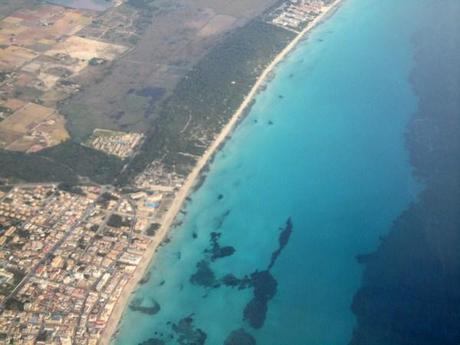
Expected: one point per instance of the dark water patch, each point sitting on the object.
(411, 288)
(153, 341)
(411, 285)
(265, 286)
(220, 197)
(217, 251)
(221, 219)
(270, 123)
(231, 280)
(151, 309)
(263, 283)
(145, 279)
(240, 337)
(204, 275)
(187, 333)
(154, 94)
(222, 252)
(166, 241)
(283, 241)
(201, 180)
(150, 91)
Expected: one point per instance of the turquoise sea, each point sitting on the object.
(323, 146)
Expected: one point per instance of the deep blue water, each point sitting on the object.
(324, 145)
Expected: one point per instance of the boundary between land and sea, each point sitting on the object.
(189, 184)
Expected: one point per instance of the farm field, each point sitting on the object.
(40, 53)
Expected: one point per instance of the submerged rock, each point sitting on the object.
(265, 287)
(255, 312)
(136, 305)
(187, 333)
(222, 252)
(221, 219)
(283, 241)
(204, 275)
(216, 250)
(153, 341)
(145, 278)
(231, 280)
(240, 337)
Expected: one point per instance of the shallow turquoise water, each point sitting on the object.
(324, 145)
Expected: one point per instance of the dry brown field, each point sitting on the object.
(13, 103)
(40, 28)
(217, 25)
(12, 57)
(85, 49)
(26, 118)
(32, 125)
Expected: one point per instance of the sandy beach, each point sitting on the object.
(193, 177)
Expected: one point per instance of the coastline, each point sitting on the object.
(189, 184)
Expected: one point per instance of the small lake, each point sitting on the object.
(95, 5)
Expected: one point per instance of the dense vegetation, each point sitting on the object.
(207, 97)
(66, 162)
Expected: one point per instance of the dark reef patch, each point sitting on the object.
(265, 286)
(150, 309)
(240, 337)
(187, 333)
(231, 280)
(221, 219)
(145, 279)
(283, 241)
(204, 275)
(153, 341)
(217, 251)
(263, 283)
(222, 252)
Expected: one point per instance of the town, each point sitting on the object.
(66, 253)
(115, 143)
(295, 15)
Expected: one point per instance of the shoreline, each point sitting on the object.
(194, 176)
